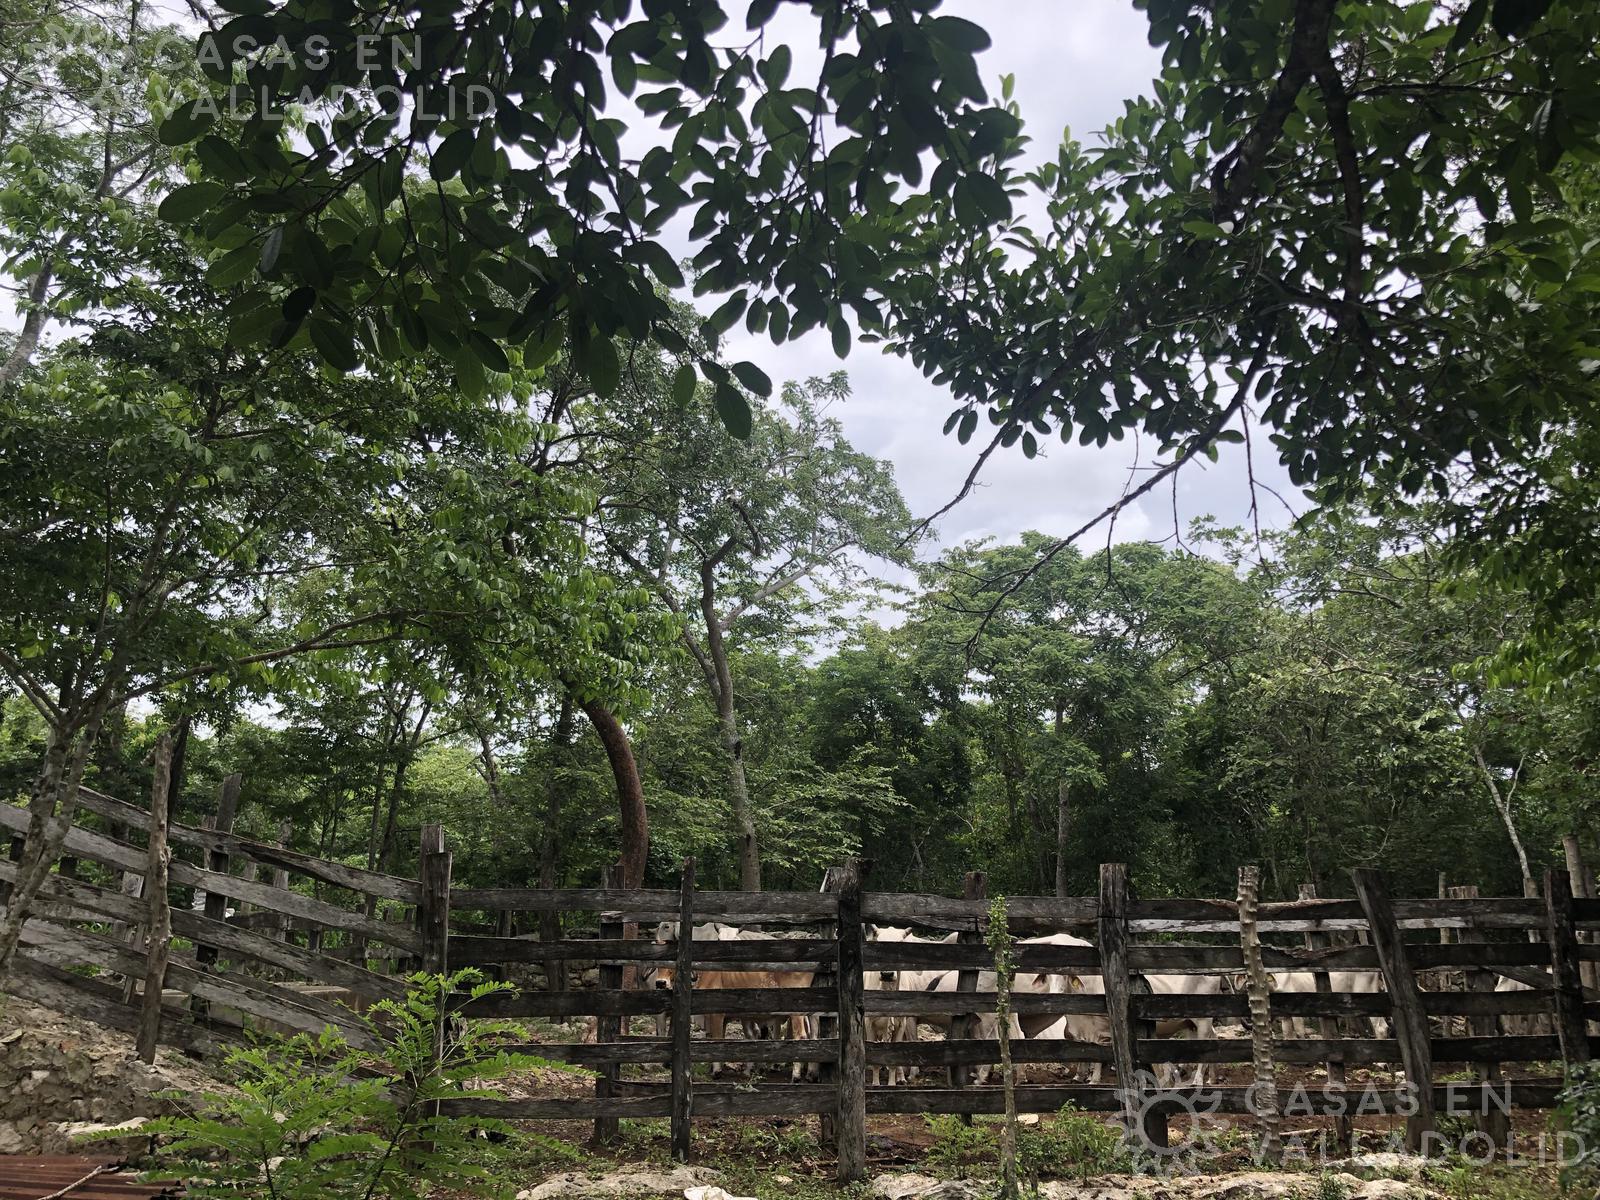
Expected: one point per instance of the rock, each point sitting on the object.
(132, 1142)
(58, 1074)
(1127, 1188)
(1388, 1164)
(1246, 1185)
(573, 1186)
(785, 1180)
(926, 1187)
(711, 1193)
(1385, 1189)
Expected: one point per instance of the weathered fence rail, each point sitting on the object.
(809, 965)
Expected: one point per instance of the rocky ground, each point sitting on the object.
(1371, 1177)
(60, 1077)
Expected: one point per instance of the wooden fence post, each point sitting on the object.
(433, 912)
(851, 1130)
(683, 1020)
(218, 860)
(609, 1028)
(1493, 1121)
(1582, 889)
(827, 976)
(1259, 989)
(974, 887)
(1329, 1027)
(1115, 975)
(1408, 1016)
(280, 877)
(158, 926)
(1563, 938)
(19, 846)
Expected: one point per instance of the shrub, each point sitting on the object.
(1075, 1143)
(317, 1118)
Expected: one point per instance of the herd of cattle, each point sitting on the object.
(1090, 1028)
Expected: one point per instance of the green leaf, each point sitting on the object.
(335, 345)
(233, 267)
(753, 377)
(683, 381)
(246, 8)
(451, 155)
(187, 122)
(759, 13)
(603, 366)
(1467, 28)
(960, 33)
(1513, 18)
(1205, 230)
(270, 249)
(1546, 136)
(297, 305)
(839, 328)
(969, 422)
(488, 351)
(727, 313)
(981, 200)
(734, 411)
(186, 203)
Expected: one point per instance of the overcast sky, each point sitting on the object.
(1075, 62)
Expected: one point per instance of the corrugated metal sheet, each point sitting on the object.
(75, 1177)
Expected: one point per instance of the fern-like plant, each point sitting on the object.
(317, 1118)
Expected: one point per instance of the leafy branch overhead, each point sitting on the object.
(462, 179)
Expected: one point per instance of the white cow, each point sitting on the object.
(1522, 1024)
(881, 1028)
(1202, 1028)
(986, 1027)
(1097, 1028)
(1304, 982)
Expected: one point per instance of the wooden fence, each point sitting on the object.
(297, 961)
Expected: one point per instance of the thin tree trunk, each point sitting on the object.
(32, 324)
(550, 841)
(732, 744)
(1502, 805)
(1063, 826)
(1063, 809)
(630, 791)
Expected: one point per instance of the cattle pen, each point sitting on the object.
(1487, 986)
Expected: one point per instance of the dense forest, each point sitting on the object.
(390, 463)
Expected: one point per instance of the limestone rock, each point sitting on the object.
(574, 1186)
(1387, 1164)
(59, 1073)
(925, 1187)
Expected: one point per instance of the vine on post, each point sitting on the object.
(1004, 968)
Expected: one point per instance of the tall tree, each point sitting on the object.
(730, 533)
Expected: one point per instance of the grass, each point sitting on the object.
(1072, 1144)
(1470, 1181)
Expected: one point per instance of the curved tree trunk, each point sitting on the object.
(630, 790)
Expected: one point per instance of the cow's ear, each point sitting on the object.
(1272, 980)
(1075, 983)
